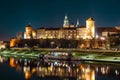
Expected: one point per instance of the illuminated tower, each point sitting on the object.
(29, 32)
(90, 26)
(77, 25)
(66, 22)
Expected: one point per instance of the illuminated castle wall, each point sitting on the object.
(68, 31)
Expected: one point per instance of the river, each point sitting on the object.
(34, 69)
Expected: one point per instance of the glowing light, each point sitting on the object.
(102, 38)
(27, 75)
(12, 64)
(116, 72)
(1, 59)
(97, 36)
(33, 70)
(97, 69)
(88, 70)
(77, 36)
(103, 70)
(93, 75)
(26, 69)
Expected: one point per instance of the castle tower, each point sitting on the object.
(66, 22)
(77, 24)
(28, 32)
(90, 26)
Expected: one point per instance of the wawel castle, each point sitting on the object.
(70, 32)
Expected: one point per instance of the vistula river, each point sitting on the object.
(34, 69)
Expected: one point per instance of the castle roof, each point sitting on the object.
(107, 29)
(90, 19)
(28, 25)
(82, 26)
(69, 28)
(110, 30)
(52, 28)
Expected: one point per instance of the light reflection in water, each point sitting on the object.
(61, 69)
(12, 62)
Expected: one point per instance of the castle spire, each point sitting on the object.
(66, 16)
(77, 24)
(66, 22)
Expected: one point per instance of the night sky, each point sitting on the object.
(16, 14)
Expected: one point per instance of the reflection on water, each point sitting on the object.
(62, 70)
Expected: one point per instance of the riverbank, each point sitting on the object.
(77, 54)
(68, 49)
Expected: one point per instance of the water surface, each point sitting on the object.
(34, 69)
